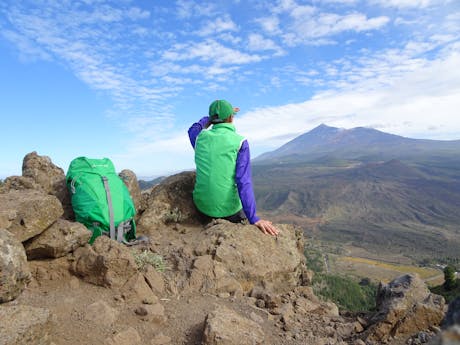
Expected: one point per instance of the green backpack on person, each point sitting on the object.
(101, 200)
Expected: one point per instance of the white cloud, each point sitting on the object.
(409, 3)
(270, 25)
(310, 25)
(220, 24)
(405, 100)
(259, 43)
(209, 50)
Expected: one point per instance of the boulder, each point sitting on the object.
(224, 326)
(14, 270)
(19, 183)
(404, 306)
(171, 202)
(130, 180)
(243, 258)
(100, 313)
(22, 324)
(58, 240)
(106, 263)
(50, 177)
(28, 213)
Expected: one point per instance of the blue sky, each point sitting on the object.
(125, 79)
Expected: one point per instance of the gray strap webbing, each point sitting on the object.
(109, 203)
(120, 232)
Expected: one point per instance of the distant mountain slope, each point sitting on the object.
(360, 142)
(377, 190)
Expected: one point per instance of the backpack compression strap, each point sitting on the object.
(109, 203)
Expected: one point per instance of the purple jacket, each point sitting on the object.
(242, 175)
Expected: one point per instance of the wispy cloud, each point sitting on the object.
(209, 51)
(400, 98)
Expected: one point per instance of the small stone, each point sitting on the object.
(141, 311)
(223, 295)
(260, 303)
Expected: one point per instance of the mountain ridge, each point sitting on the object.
(380, 191)
(353, 143)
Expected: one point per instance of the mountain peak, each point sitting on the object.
(325, 140)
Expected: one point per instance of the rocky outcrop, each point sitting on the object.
(24, 325)
(404, 306)
(237, 258)
(59, 239)
(130, 180)
(28, 213)
(50, 177)
(226, 327)
(14, 271)
(105, 263)
(170, 202)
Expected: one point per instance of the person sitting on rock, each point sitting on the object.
(223, 187)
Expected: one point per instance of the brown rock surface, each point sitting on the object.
(170, 202)
(404, 306)
(130, 180)
(50, 177)
(24, 324)
(59, 239)
(28, 213)
(106, 263)
(243, 256)
(225, 327)
(14, 270)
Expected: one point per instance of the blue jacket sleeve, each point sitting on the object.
(196, 129)
(244, 182)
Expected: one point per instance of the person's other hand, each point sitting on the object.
(266, 227)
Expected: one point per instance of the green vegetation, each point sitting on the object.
(449, 295)
(1, 182)
(147, 257)
(344, 291)
(450, 281)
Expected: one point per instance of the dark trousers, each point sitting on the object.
(238, 217)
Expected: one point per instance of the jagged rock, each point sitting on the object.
(14, 270)
(23, 324)
(136, 288)
(105, 263)
(154, 279)
(171, 202)
(50, 177)
(404, 306)
(28, 213)
(130, 180)
(225, 327)
(244, 256)
(101, 313)
(59, 239)
(19, 183)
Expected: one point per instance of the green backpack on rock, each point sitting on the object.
(100, 199)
